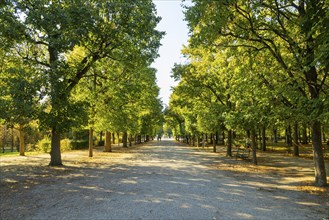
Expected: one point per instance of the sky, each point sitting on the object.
(176, 36)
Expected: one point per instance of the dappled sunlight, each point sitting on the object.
(308, 203)
(153, 178)
(126, 181)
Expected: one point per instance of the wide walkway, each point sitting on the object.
(167, 180)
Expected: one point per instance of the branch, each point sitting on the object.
(215, 93)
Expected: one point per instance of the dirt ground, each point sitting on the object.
(160, 180)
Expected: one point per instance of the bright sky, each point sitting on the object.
(176, 36)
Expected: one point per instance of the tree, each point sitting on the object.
(52, 30)
(293, 32)
(20, 94)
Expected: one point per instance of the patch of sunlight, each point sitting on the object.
(281, 197)
(308, 203)
(207, 206)
(262, 209)
(129, 181)
(231, 184)
(185, 206)
(245, 215)
(88, 187)
(11, 181)
(181, 183)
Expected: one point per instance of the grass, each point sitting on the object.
(12, 154)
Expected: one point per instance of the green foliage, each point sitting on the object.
(44, 145)
(66, 145)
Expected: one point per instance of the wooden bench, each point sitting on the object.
(243, 153)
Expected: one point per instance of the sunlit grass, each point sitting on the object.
(12, 154)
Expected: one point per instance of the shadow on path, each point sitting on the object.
(160, 180)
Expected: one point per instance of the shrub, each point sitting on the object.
(43, 145)
(79, 144)
(66, 145)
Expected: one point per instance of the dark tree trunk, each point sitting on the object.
(91, 141)
(229, 144)
(130, 140)
(296, 143)
(304, 134)
(113, 138)
(125, 139)
(275, 135)
(203, 140)
(214, 143)
(259, 137)
(223, 137)
(101, 136)
(323, 135)
(320, 170)
(254, 146)
(217, 137)
(288, 136)
(248, 133)
(108, 147)
(264, 138)
(21, 141)
(55, 153)
(12, 143)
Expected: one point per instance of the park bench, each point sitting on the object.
(242, 152)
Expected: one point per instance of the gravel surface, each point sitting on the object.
(161, 180)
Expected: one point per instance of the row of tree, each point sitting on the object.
(255, 64)
(73, 63)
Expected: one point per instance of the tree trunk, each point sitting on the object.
(296, 143)
(55, 152)
(323, 135)
(320, 170)
(203, 140)
(113, 138)
(288, 136)
(229, 144)
(125, 139)
(254, 146)
(12, 139)
(248, 133)
(101, 136)
(108, 147)
(217, 137)
(91, 141)
(275, 135)
(214, 143)
(130, 140)
(264, 138)
(304, 134)
(21, 141)
(259, 138)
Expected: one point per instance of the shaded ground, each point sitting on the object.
(160, 180)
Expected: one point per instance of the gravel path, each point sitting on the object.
(163, 180)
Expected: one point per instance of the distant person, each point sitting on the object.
(159, 137)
